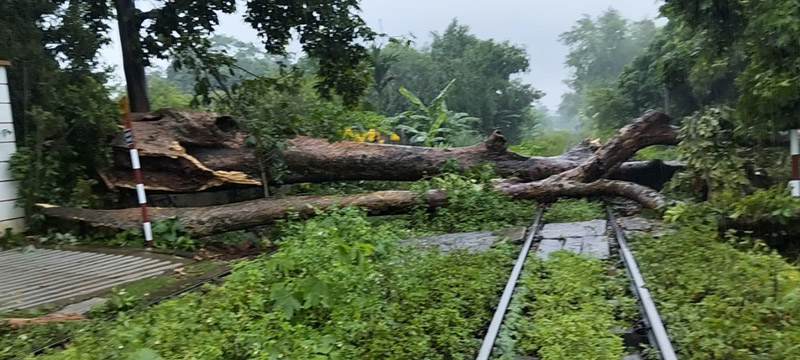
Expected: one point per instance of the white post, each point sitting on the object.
(11, 215)
(794, 147)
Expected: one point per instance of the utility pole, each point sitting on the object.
(794, 147)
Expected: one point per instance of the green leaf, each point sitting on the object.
(314, 291)
(413, 98)
(145, 354)
(284, 300)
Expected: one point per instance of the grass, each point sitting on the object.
(572, 210)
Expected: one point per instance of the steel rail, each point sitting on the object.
(656, 330)
(502, 306)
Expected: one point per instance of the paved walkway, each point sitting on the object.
(586, 237)
(42, 276)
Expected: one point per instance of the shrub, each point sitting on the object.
(339, 287)
(473, 204)
(719, 302)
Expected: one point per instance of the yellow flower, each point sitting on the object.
(371, 135)
(380, 141)
(395, 137)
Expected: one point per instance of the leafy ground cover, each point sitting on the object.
(339, 284)
(722, 297)
(570, 210)
(567, 308)
(339, 287)
(16, 343)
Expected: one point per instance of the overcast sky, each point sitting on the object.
(533, 24)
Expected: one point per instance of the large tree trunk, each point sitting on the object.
(185, 151)
(209, 220)
(586, 179)
(132, 56)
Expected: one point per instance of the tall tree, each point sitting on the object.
(381, 62)
(483, 70)
(599, 50)
(179, 31)
(723, 52)
(248, 61)
(63, 114)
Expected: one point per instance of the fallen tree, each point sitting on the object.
(183, 151)
(588, 178)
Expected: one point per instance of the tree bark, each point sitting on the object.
(132, 56)
(209, 220)
(586, 179)
(185, 151)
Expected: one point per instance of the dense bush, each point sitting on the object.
(67, 144)
(473, 204)
(773, 206)
(719, 302)
(338, 288)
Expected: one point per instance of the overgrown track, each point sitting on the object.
(657, 335)
(508, 291)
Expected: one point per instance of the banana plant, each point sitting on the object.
(432, 123)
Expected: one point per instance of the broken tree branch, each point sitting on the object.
(184, 151)
(586, 179)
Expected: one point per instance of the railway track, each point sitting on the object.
(657, 335)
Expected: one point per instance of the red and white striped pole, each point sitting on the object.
(794, 147)
(137, 172)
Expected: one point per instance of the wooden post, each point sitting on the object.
(137, 172)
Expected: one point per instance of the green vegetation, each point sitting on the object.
(566, 307)
(722, 297)
(711, 54)
(433, 123)
(773, 206)
(167, 234)
(656, 152)
(483, 70)
(473, 204)
(547, 144)
(599, 51)
(339, 287)
(19, 343)
(571, 210)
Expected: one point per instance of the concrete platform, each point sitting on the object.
(32, 278)
(585, 237)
